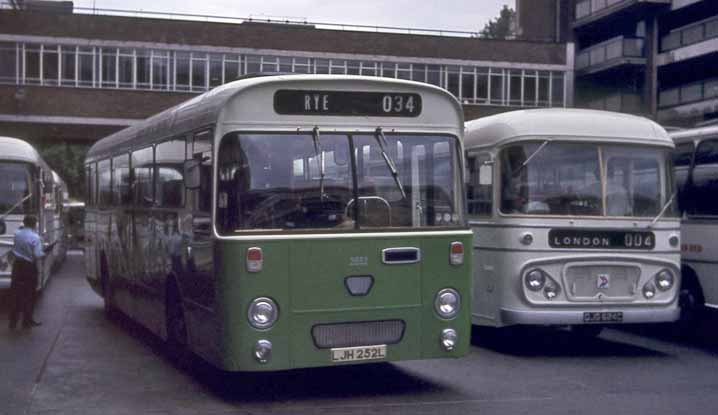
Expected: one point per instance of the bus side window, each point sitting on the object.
(480, 188)
(104, 174)
(121, 180)
(169, 157)
(142, 192)
(705, 180)
(202, 150)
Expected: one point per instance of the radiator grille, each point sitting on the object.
(368, 333)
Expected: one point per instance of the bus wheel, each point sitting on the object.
(587, 330)
(176, 329)
(690, 302)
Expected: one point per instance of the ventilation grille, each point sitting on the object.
(327, 336)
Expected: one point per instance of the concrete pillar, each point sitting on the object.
(650, 84)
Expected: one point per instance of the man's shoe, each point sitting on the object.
(31, 323)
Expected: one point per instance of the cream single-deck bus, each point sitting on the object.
(573, 219)
(288, 221)
(696, 172)
(29, 186)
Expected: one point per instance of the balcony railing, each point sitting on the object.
(585, 8)
(616, 48)
(690, 35)
(686, 94)
(619, 102)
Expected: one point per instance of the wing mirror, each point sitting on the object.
(47, 180)
(191, 170)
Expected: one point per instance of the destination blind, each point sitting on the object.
(601, 239)
(347, 103)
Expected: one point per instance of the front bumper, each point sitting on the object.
(569, 317)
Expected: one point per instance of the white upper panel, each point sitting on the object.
(565, 124)
(18, 150)
(249, 104)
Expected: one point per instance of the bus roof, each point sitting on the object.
(694, 134)
(562, 122)
(15, 149)
(249, 102)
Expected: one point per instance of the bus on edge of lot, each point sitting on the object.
(29, 186)
(696, 174)
(573, 220)
(288, 221)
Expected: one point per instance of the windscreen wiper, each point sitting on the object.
(381, 140)
(320, 159)
(534, 154)
(21, 201)
(669, 202)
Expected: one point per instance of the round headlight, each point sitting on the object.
(535, 280)
(664, 280)
(262, 313)
(550, 291)
(447, 303)
(649, 291)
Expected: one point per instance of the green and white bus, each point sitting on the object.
(288, 221)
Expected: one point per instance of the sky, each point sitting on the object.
(462, 15)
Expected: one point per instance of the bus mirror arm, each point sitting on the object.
(669, 202)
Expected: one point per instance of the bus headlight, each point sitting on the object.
(649, 291)
(263, 351)
(448, 339)
(551, 291)
(664, 280)
(535, 280)
(447, 303)
(262, 313)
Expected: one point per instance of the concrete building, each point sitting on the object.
(73, 75)
(657, 58)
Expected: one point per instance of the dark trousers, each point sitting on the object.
(22, 291)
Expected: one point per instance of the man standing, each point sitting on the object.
(27, 250)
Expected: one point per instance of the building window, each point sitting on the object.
(388, 69)
(199, 72)
(452, 80)
(433, 75)
(557, 93)
(496, 86)
(32, 64)
(68, 65)
(126, 68)
(50, 65)
(232, 67)
(142, 63)
(8, 63)
(403, 71)
(182, 71)
(160, 69)
(108, 67)
(482, 86)
(321, 66)
(467, 85)
(338, 67)
(301, 65)
(368, 68)
(353, 67)
(269, 64)
(418, 73)
(530, 89)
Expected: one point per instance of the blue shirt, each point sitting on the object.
(28, 245)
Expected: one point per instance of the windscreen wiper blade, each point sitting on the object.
(381, 140)
(669, 202)
(320, 156)
(21, 201)
(529, 158)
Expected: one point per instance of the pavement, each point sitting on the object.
(79, 362)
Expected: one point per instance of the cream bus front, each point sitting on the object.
(581, 232)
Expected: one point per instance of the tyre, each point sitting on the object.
(690, 300)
